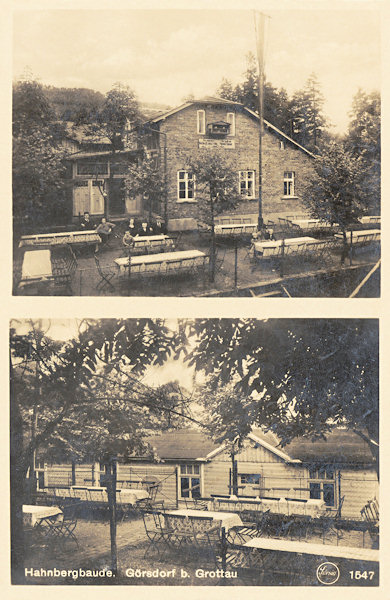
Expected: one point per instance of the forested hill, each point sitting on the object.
(82, 105)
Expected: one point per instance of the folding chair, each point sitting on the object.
(156, 531)
(65, 529)
(106, 275)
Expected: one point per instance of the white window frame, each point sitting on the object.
(189, 474)
(289, 180)
(231, 119)
(201, 122)
(320, 477)
(243, 177)
(186, 180)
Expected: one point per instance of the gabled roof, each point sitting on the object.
(341, 446)
(182, 444)
(223, 101)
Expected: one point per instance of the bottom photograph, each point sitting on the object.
(194, 452)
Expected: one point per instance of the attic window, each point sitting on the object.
(218, 129)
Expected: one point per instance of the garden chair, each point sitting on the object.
(106, 275)
(62, 529)
(156, 531)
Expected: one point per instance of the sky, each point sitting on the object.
(172, 370)
(166, 55)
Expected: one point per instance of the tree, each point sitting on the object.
(298, 377)
(146, 179)
(364, 141)
(30, 107)
(85, 400)
(38, 178)
(337, 191)
(308, 119)
(277, 108)
(228, 92)
(120, 106)
(250, 85)
(217, 190)
(79, 105)
(38, 167)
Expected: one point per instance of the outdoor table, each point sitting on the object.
(48, 266)
(151, 263)
(131, 496)
(361, 234)
(328, 550)
(227, 520)
(311, 223)
(281, 506)
(235, 228)
(152, 242)
(33, 515)
(127, 496)
(370, 219)
(36, 266)
(67, 237)
(270, 248)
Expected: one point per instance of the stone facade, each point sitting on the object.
(279, 155)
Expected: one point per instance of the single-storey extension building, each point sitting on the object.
(339, 470)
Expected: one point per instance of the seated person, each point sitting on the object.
(128, 239)
(159, 228)
(133, 228)
(145, 230)
(86, 223)
(104, 229)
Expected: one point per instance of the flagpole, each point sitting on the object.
(259, 30)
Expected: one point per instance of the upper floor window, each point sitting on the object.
(189, 481)
(201, 121)
(289, 183)
(185, 186)
(231, 119)
(247, 183)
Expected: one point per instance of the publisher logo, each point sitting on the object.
(328, 573)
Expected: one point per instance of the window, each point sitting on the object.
(289, 183)
(92, 168)
(324, 486)
(247, 183)
(189, 481)
(231, 119)
(250, 479)
(201, 121)
(185, 186)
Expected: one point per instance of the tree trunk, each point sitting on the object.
(17, 481)
(344, 252)
(234, 476)
(213, 245)
(111, 468)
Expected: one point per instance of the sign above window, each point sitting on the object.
(208, 142)
(218, 128)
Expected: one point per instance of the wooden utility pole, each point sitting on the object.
(259, 30)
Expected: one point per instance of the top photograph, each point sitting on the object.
(197, 153)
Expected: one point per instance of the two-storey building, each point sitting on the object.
(230, 127)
